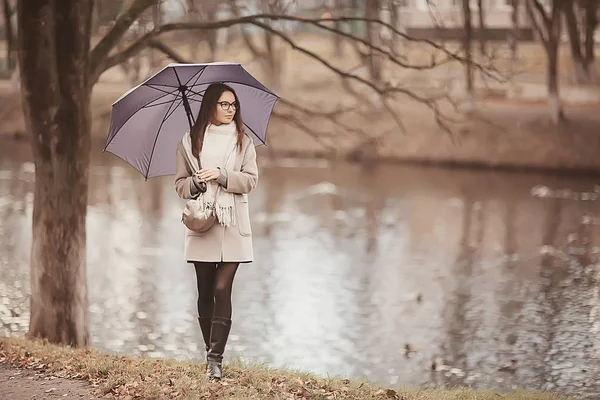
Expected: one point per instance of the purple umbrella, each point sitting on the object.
(149, 120)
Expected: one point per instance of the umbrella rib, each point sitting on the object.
(132, 115)
(197, 93)
(197, 78)
(161, 90)
(174, 109)
(254, 133)
(165, 118)
(199, 73)
(243, 84)
(189, 89)
(156, 84)
(160, 104)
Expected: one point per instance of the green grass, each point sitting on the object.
(128, 378)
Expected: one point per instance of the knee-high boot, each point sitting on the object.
(218, 338)
(205, 327)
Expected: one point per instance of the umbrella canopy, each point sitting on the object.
(150, 120)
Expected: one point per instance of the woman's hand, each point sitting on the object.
(208, 174)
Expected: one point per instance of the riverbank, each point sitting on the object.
(63, 370)
(502, 135)
(508, 129)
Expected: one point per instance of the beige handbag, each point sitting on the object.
(197, 216)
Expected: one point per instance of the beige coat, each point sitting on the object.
(220, 243)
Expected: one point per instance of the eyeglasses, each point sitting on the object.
(225, 105)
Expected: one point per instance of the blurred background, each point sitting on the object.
(428, 206)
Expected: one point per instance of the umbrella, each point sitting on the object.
(149, 120)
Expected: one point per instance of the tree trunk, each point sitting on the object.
(552, 49)
(372, 36)
(212, 34)
(513, 39)
(54, 41)
(548, 27)
(580, 65)
(591, 24)
(156, 22)
(395, 22)
(481, 14)
(338, 42)
(273, 61)
(193, 16)
(467, 48)
(552, 83)
(9, 35)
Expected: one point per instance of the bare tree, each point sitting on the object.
(481, 14)
(372, 58)
(581, 37)
(468, 51)
(204, 10)
(269, 53)
(338, 42)
(9, 34)
(513, 38)
(547, 23)
(154, 60)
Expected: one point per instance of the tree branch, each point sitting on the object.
(534, 7)
(298, 123)
(108, 42)
(253, 19)
(169, 52)
(247, 39)
(382, 89)
(332, 116)
(138, 46)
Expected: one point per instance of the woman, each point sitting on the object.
(228, 168)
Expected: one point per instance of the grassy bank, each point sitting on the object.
(129, 378)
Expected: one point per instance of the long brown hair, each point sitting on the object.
(207, 112)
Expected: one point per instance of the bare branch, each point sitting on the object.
(536, 11)
(299, 123)
(169, 52)
(138, 46)
(332, 116)
(247, 39)
(542, 13)
(382, 89)
(254, 20)
(314, 113)
(108, 42)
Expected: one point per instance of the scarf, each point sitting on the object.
(218, 150)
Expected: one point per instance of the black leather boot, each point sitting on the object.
(205, 327)
(218, 338)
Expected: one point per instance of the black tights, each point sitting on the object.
(215, 281)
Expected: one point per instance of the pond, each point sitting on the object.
(400, 275)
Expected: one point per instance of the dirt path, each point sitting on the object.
(17, 384)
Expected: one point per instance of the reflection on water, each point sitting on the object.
(403, 276)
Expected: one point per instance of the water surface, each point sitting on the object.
(470, 271)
